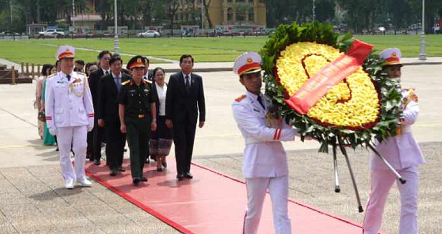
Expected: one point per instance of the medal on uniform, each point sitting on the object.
(75, 83)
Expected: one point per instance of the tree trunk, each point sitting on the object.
(206, 13)
(38, 11)
(171, 24)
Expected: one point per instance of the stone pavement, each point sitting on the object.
(32, 200)
(311, 181)
(31, 186)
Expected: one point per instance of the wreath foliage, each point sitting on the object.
(389, 97)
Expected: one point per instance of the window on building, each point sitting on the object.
(251, 15)
(230, 14)
(241, 16)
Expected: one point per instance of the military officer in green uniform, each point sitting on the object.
(137, 113)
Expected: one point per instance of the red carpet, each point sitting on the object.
(210, 203)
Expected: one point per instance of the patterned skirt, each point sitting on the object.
(161, 139)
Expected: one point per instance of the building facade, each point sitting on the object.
(86, 16)
(190, 12)
(223, 12)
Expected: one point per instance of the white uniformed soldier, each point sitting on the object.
(403, 153)
(70, 115)
(265, 162)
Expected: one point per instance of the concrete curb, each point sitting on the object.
(422, 63)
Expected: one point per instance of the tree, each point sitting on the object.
(172, 8)
(399, 12)
(146, 11)
(192, 10)
(206, 4)
(105, 8)
(325, 10)
(287, 11)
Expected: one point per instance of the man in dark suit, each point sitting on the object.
(98, 131)
(148, 75)
(185, 95)
(107, 113)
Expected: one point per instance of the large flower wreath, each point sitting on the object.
(363, 106)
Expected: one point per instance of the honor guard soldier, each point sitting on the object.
(265, 162)
(70, 115)
(403, 153)
(137, 113)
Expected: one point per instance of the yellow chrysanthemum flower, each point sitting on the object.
(352, 103)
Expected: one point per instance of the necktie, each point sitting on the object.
(118, 82)
(260, 102)
(187, 82)
(107, 72)
(69, 77)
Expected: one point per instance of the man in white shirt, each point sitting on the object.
(265, 162)
(70, 115)
(403, 153)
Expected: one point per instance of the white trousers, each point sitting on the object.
(256, 191)
(381, 182)
(77, 138)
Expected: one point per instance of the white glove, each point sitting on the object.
(53, 131)
(90, 127)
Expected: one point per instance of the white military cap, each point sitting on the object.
(65, 51)
(392, 56)
(249, 62)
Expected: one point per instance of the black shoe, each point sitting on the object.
(97, 162)
(113, 172)
(121, 169)
(91, 159)
(160, 169)
(136, 181)
(180, 177)
(188, 175)
(164, 164)
(144, 179)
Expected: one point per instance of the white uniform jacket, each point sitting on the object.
(402, 150)
(68, 103)
(264, 155)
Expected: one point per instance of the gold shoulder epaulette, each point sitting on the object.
(240, 98)
(411, 96)
(125, 82)
(147, 81)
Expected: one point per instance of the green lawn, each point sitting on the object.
(203, 49)
(409, 44)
